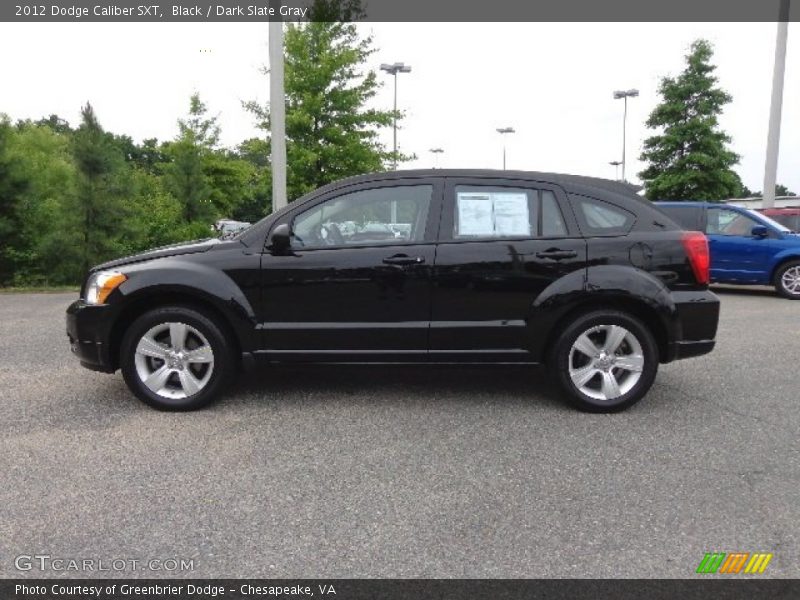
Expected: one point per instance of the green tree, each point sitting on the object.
(185, 180)
(103, 186)
(330, 132)
(258, 201)
(201, 129)
(209, 182)
(12, 187)
(690, 159)
(47, 245)
(780, 190)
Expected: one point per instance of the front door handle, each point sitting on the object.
(403, 259)
(556, 254)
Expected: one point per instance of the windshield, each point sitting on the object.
(768, 221)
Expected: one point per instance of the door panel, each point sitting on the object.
(356, 283)
(736, 256)
(348, 299)
(487, 280)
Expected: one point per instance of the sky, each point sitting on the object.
(552, 82)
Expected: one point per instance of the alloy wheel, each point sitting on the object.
(790, 280)
(174, 360)
(605, 362)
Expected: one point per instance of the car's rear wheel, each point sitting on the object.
(787, 280)
(605, 361)
(175, 358)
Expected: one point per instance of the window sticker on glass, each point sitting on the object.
(511, 214)
(475, 214)
(493, 214)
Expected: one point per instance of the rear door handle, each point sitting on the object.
(403, 259)
(556, 254)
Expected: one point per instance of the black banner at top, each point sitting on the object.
(401, 10)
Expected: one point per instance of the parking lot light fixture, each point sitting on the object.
(436, 152)
(393, 70)
(616, 164)
(504, 131)
(625, 94)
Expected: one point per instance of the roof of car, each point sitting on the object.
(571, 183)
(693, 203)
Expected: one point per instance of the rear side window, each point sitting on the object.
(484, 212)
(596, 217)
(688, 217)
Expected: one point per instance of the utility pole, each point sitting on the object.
(776, 107)
(625, 94)
(277, 115)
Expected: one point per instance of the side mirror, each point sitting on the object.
(759, 231)
(281, 239)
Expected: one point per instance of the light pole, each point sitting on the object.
(625, 95)
(616, 164)
(776, 106)
(277, 115)
(436, 152)
(394, 69)
(503, 131)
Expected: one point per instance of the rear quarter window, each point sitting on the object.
(688, 217)
(596, 217)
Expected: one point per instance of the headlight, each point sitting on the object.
(101, 284)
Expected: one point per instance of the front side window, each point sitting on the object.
(724, 221)
(483, 212)
(387, 215)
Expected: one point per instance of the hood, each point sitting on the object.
(164, 251)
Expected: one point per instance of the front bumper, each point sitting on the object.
(696, 320)
(89, 333)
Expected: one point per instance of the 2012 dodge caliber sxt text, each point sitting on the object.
(413, 267)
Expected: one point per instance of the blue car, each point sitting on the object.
(747, 248)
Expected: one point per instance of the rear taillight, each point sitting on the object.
(696, 246)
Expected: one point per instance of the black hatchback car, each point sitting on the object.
(431, 266)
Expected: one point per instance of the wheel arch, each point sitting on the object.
(613, 287)
(636, 307)
(780, 260)
(146, 301)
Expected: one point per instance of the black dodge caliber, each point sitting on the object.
(413, 267)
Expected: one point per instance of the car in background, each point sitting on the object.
(489, 267)
(788, 217)
(747, 247)
(228, 227)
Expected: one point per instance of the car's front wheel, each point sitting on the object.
(605, 361)
(787, 280)
(175, 358)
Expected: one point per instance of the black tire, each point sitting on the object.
(597, 324)
(779, 283)
(222, 367)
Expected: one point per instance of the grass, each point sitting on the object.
(40, 289)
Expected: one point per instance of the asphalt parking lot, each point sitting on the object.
(401, 472)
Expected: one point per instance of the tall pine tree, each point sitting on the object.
(690, 159)
(100, 207)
